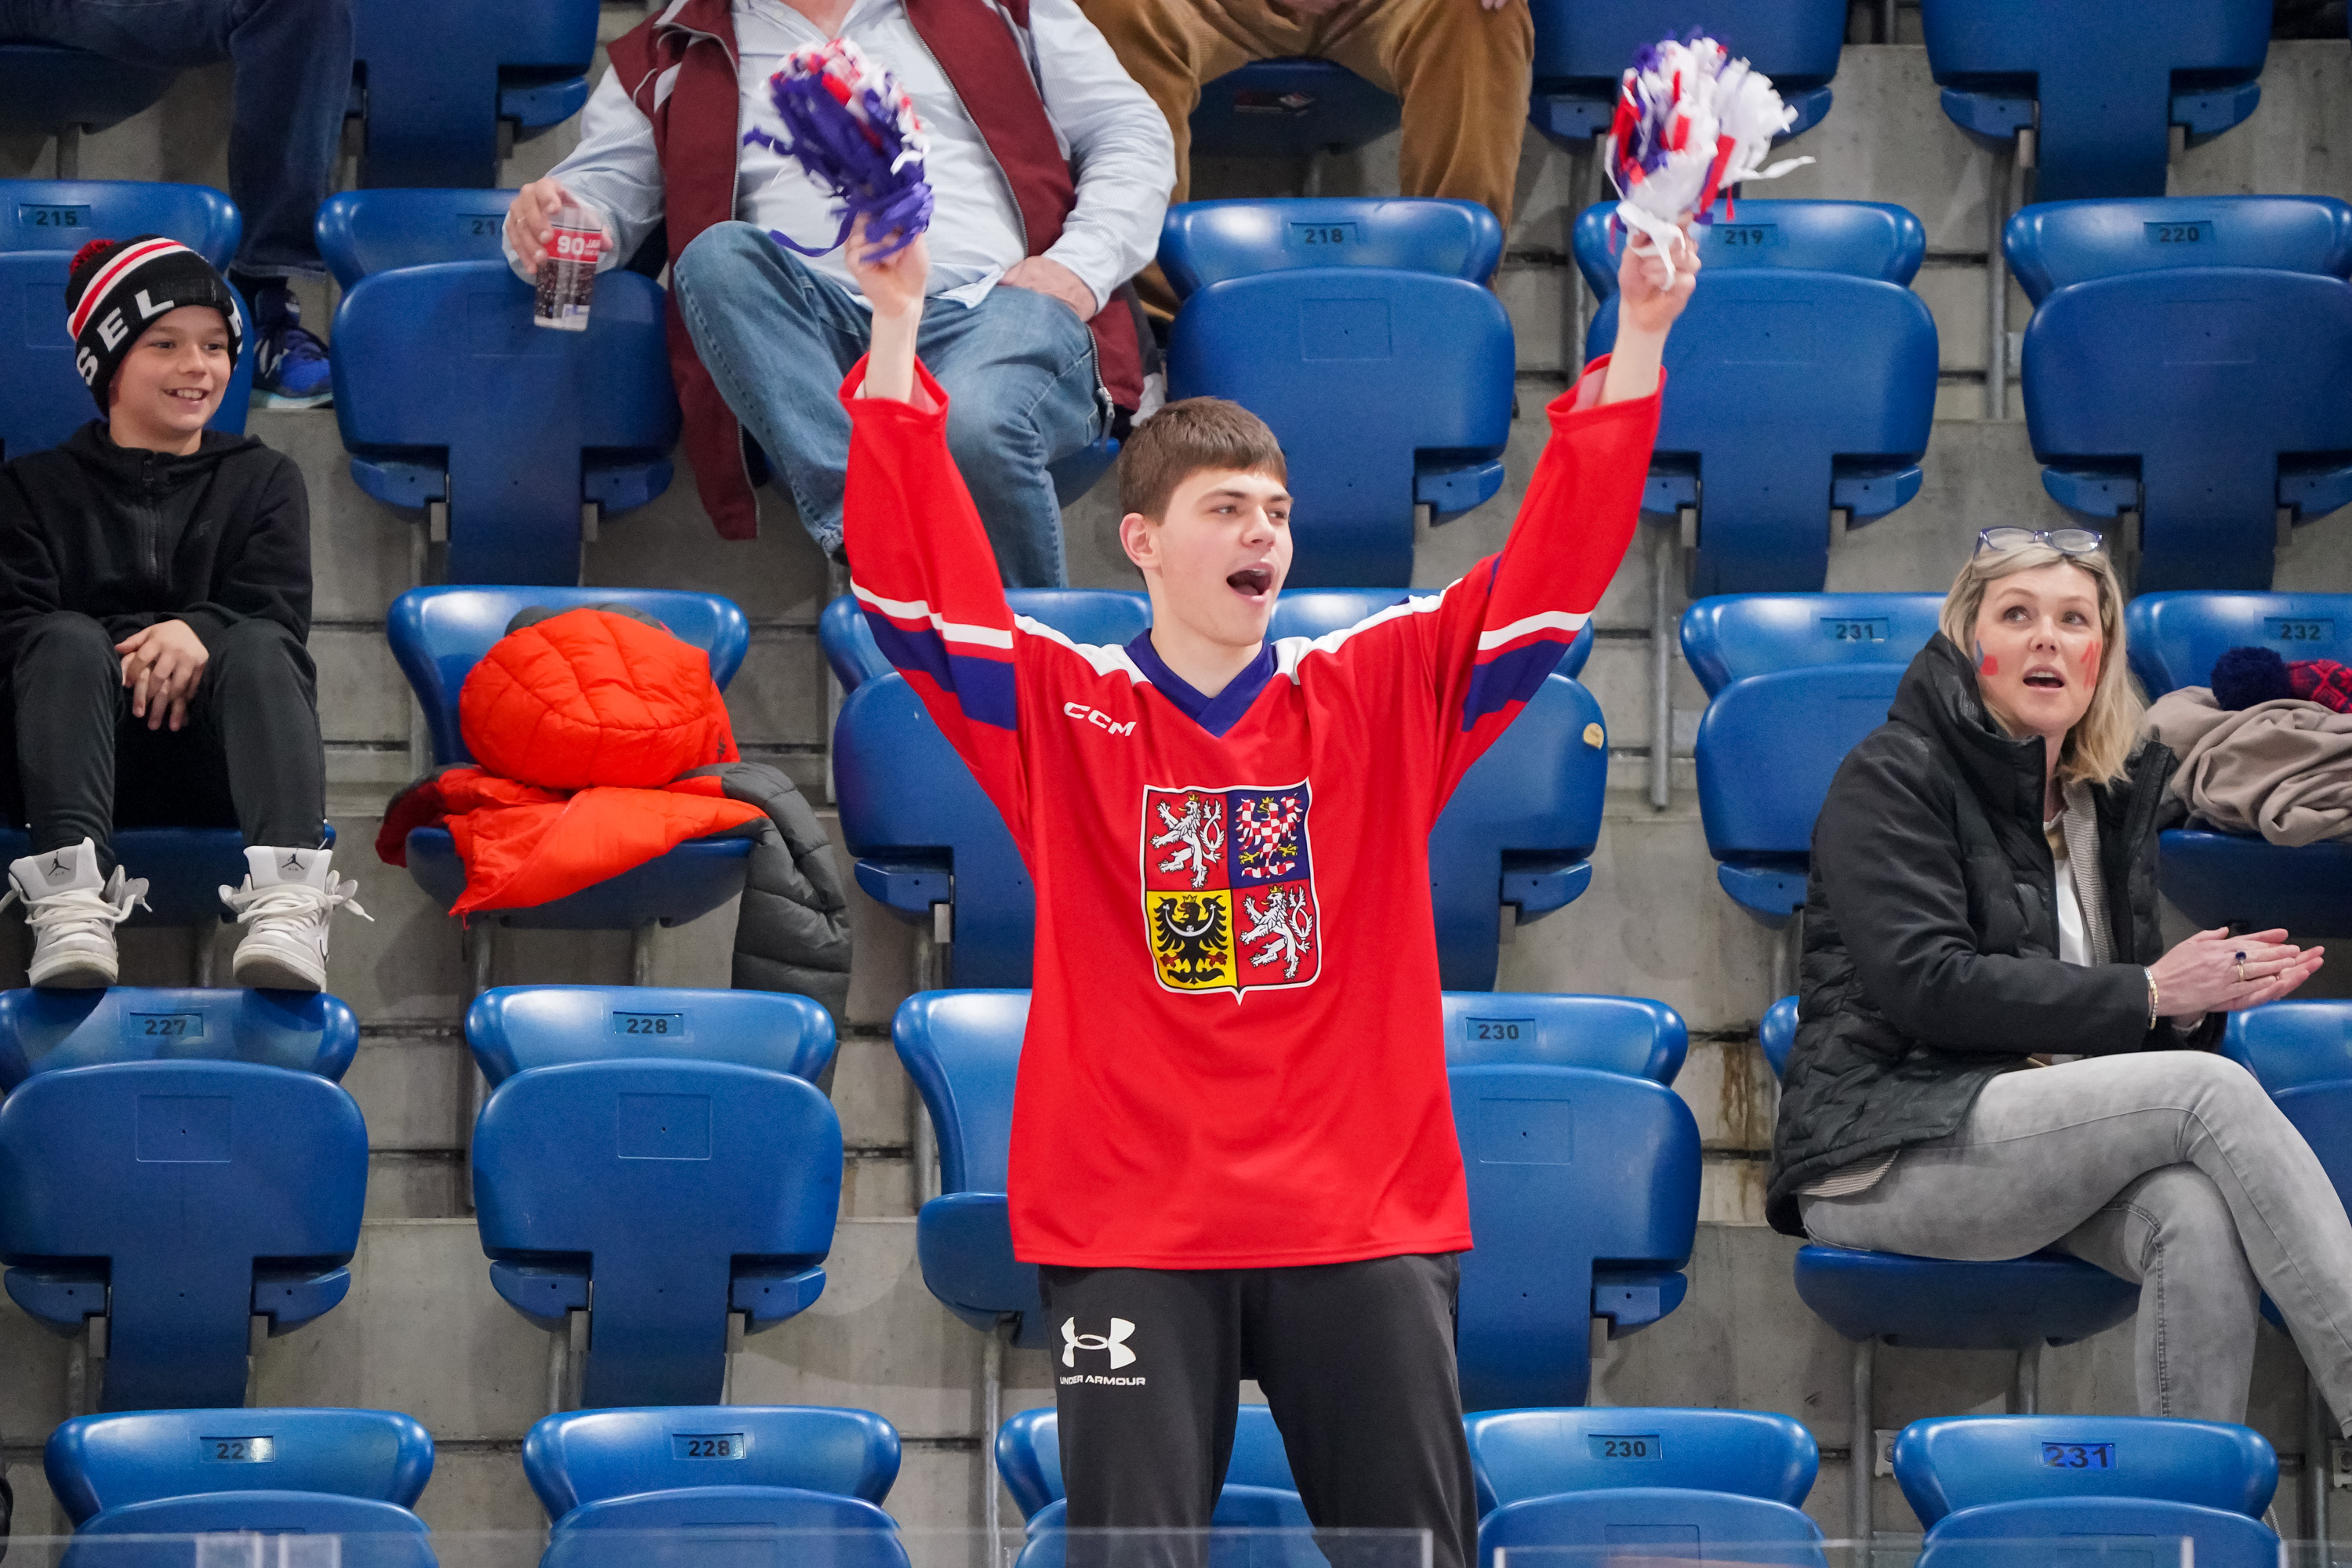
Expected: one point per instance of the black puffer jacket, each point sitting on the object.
(130, 537)
(1931, 931)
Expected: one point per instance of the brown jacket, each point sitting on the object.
(680, 69)
(2281, 769)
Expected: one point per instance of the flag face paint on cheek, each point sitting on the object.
(2090, 661)
(1986, 663)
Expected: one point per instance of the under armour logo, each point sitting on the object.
(1073, 1341)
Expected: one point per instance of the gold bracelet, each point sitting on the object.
(2154, 996)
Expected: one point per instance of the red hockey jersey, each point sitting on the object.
(1235, 1055)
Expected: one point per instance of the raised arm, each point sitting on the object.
(1505, 625)
(919, 561)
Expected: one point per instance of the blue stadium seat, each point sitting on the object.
(365, 232)
(2100, 1529)
(1288, 108)
(962, 1048)
(1029, 1459)
(48, 89)
(1674, 1524)
(1519, 830)
(435, 78)
(2230, 878)
(42, 224)
(1584, 1194)
(1254, 1526)
(355, 1474)
(2301, 1052)
(1947, 1465)
(1517, 1456)
(2182, 364)
(1767, 748)
(1976, 1480)
(2101, 85)
(714, 1192)
(580, 1458)
(177, 1163)
(447, 394)
(2020, 1304)
(1794, 681)
(1734, 635)
(1801, 383)
(1310, 313)
(440, 633)
(1583, 48)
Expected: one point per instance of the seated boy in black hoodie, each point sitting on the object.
(154, 599)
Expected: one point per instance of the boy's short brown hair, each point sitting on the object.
(1185, 437)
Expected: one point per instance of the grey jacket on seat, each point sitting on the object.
(1931, 931)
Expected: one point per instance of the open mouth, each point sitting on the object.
(2045, 679)
(1252, 581)
(189, 394)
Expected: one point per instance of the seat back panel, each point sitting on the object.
(106, 1463)
(1567, 1167)
(1523, 1454)
(514, 1028)
(594, 1456)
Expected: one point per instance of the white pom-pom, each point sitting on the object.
(1691, 123)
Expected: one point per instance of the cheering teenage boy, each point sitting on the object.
(1233, 1151)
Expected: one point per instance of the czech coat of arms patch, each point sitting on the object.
(1229, 888)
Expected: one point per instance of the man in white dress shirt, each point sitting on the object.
(1050, 170)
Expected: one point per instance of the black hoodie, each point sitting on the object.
(1931, 931)
(130, 537)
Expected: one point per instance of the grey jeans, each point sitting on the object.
(2171, 1169)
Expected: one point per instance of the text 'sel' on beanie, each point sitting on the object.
(115, 287)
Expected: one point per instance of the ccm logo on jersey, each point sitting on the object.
(1097, 718)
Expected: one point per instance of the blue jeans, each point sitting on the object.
(1019, 370)
(293, 81)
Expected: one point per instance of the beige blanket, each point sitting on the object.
(2280, 769)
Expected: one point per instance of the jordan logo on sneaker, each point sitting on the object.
(293, 862)
(56, 870)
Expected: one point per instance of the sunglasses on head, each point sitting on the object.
(2065, 540)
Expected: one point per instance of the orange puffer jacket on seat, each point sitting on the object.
(583, 724)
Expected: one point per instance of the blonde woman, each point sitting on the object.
(1984, 891)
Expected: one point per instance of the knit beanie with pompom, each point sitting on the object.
(116, 288)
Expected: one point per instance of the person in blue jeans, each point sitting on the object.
(293, 60)
(1050, 170)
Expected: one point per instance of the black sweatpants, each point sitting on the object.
(248, 756)
(1356, 1363)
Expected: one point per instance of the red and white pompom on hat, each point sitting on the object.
(115, 288)
(1692, 123)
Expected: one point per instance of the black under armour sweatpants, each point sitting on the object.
(1355, 1361)
(249, 756)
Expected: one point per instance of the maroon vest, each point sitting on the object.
(695, 137)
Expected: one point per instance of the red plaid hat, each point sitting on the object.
(2322, 681)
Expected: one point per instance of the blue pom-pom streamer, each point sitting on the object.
(849, 124)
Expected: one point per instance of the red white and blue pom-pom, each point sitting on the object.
(1692, 123)
(850, 125)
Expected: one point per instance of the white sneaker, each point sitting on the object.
(285, 899)
(73, 914)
